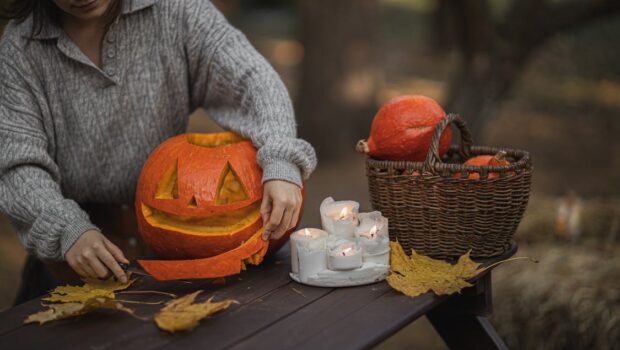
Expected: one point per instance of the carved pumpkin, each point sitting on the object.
(403, 128)
(199, 198)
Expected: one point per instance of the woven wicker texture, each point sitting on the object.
(435, 209)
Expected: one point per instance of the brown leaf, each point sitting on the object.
(182, 314)
(93, 288)
(66, 310)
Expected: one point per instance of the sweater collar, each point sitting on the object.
(51, 30)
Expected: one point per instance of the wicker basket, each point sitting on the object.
(439, 213)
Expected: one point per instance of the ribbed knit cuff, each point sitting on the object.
(72, 232)
(282, 170)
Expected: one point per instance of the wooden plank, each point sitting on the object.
(13, 318)
(105, 331)
(91, 329)
(251, 317)
(333, 308)
(254, 285)
(372, 323)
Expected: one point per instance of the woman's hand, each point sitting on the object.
(280, 207)
(93, 255)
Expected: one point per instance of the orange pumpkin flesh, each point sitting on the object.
(230, 263)
(403, 128)
(179, 240)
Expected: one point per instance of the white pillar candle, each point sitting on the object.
(310, 239)
(345, 256)
(339, 218)
(311, 262)
(372, 233)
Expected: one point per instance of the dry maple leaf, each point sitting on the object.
(182, 314)
(417, 274)
(93, 288)
(66, 310)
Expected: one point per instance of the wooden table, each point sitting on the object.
(274, 313)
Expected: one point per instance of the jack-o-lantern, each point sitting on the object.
(198, 199)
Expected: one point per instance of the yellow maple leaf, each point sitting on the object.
(418, 274)
(66, 310)
(93, 288)
(182, 314)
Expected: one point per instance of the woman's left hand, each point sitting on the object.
(280, 207)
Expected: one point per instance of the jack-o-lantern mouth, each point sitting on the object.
(217, 225)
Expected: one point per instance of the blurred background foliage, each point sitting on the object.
(538, 75)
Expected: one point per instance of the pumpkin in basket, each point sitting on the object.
(486, 160)
(199, 197)
(403, 128)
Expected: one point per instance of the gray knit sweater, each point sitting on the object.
(72, 133)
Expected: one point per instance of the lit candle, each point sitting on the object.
(339, 218)
(370, 220)
(308, 252)
(345, 256)
(372, 235)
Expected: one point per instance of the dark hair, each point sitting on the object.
(20, 10)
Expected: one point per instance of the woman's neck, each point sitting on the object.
(87, 35)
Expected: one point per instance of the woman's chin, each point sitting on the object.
(94, 10)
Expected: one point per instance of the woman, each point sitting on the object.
(88, 88)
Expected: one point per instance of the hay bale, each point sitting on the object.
(599, 222)
(570, 300)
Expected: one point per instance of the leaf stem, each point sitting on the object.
(140, 302)
(505, 261)
(147, 291)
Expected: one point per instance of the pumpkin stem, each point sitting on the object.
(362, 147)
(501, 156)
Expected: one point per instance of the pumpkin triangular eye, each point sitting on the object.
(230, 189)
(167, 188)
(193, 203)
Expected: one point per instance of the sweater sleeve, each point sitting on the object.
(30, 194)
(243, 93)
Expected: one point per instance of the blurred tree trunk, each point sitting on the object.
(339, 73)
(494, 54)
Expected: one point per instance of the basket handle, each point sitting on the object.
(432, 157)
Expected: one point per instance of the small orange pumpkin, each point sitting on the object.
(403, 128)
(198, 198)
(486, 160)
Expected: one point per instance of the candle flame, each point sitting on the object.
(373, 231)
(344, 213)
(346, 251)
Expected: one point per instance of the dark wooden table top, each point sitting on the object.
(274, 313)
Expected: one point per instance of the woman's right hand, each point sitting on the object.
(93, 255)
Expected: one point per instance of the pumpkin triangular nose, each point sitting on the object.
(193, 203)
(231, 189)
